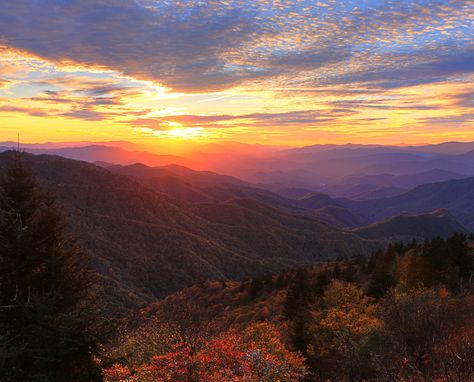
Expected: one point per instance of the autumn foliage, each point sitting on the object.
(256, 355)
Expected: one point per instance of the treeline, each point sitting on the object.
(401, 315)
(381, 318)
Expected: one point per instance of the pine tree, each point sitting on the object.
(336, 273)
(373, 260)
(297, 310)
(50, 322)
(256, 285)
(322, 281)
(459, 254)
(299, 331)
(281, 281)
(383, 277)
(299, 294)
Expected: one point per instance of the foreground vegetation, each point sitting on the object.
(404, 314)
(51, 324)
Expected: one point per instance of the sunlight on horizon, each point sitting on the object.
(292, 75)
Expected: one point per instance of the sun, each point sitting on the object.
(185, 132)
(181, 133)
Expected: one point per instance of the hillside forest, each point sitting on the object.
(396, 311)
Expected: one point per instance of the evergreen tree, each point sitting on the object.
(281, 281)
(373, 260)
(267, 279)
(256, 285)
(50, 324)
(322, 281)
(336, 273)
(299, 294)
(459, 254)
(383, 274)
(300, 334)
(349, 273)
(361, 262)
(297, 310)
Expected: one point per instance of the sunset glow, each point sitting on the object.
(269, 72)
(236, 190)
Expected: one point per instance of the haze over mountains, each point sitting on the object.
(153, 225)
(353, 171)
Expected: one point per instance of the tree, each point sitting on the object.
(382, 279)
(413, 270)
(297, 309)
(438, 262)
(343, 328)
(453, 359)
(416, 324)
(256, 285)
(49, 323)
(256, 355)
(459, 254)
(299, 294)
(322, 281)
(281, 281)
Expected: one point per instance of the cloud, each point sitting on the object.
(464, 99)
(88, 86)
(291, 118)
(282, 68)
(83, 113)
(78, 97)
(23, 110)
(86, 114)
(61, 98)
(206, 46)
(400, 103)
(4, 83)
(308, 59)
(179, 45)
(436, 70)
(456, 120)
(83, 97)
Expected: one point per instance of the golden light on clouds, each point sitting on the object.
(288, 73)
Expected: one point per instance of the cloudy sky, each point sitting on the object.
(273, 72)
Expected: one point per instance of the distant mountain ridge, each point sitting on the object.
(404, 227)
(207, 187)
(352, 171)
(455, 195)
(102, 153)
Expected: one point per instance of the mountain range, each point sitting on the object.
(152, 230)
(455, 195)
(409, 226)
(359, 172)
(146, 244)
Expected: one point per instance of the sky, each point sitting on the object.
(288, 73)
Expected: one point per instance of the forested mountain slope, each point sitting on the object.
(145, 244)
(455, 195)
(405, 227)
